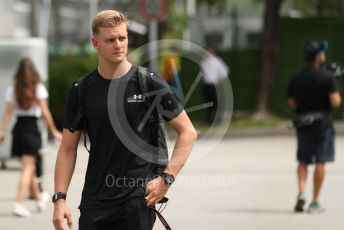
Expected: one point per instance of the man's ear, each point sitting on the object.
(94, 42)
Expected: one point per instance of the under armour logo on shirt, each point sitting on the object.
(136, 98)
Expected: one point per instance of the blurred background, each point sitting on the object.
(261, 41)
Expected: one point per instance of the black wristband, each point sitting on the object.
(168, 178)
(57, 196)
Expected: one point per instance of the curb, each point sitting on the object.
(279, 131)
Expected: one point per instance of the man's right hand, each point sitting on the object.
(61, 211)
(57, 135)
(2, 137)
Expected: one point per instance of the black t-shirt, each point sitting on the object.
(114, 172)
(311, 87)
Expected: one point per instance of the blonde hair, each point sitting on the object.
(108, 18)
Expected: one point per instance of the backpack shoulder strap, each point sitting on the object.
(156, 130)
(143, 78)
(80, 85)
(146, 86)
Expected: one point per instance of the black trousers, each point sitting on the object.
(210, 96)
(131, 215)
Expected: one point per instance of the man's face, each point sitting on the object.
(111, 43)
(321, 57)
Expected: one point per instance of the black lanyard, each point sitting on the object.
(162, 219)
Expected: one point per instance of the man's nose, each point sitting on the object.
(116, 43)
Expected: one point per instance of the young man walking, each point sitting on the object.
(312, 93)
(116, 204)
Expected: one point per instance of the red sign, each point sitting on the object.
(153, 10)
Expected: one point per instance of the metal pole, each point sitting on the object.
(153, 45)
(44, 19)
(190, 12)
(191, 8)
(93, 10)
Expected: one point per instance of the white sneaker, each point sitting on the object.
(45, 196)
(20, 210)
(42, 205)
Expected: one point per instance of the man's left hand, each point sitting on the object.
(155, 191)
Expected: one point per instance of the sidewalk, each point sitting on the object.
(243, 184)
(281, 130)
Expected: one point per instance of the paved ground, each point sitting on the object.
(243, 184)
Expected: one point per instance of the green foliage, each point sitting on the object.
(188, 74)
(244, 71)
(63, 70)
(176, 20)
(319, 7)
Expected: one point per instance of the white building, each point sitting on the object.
(236, 24)
(73, 19)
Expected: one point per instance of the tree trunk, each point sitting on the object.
(268, 57)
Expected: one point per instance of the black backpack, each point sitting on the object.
(155, 120)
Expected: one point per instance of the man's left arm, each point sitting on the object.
(157, 188)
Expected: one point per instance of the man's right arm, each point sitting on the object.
(64, 168)
(334, 94)
(335, 99)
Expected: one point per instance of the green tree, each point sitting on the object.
(319, 7)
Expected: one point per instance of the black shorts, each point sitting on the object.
(316, 147)
(26, 137)
(133, 214)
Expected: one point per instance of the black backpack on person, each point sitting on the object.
(155, 120)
